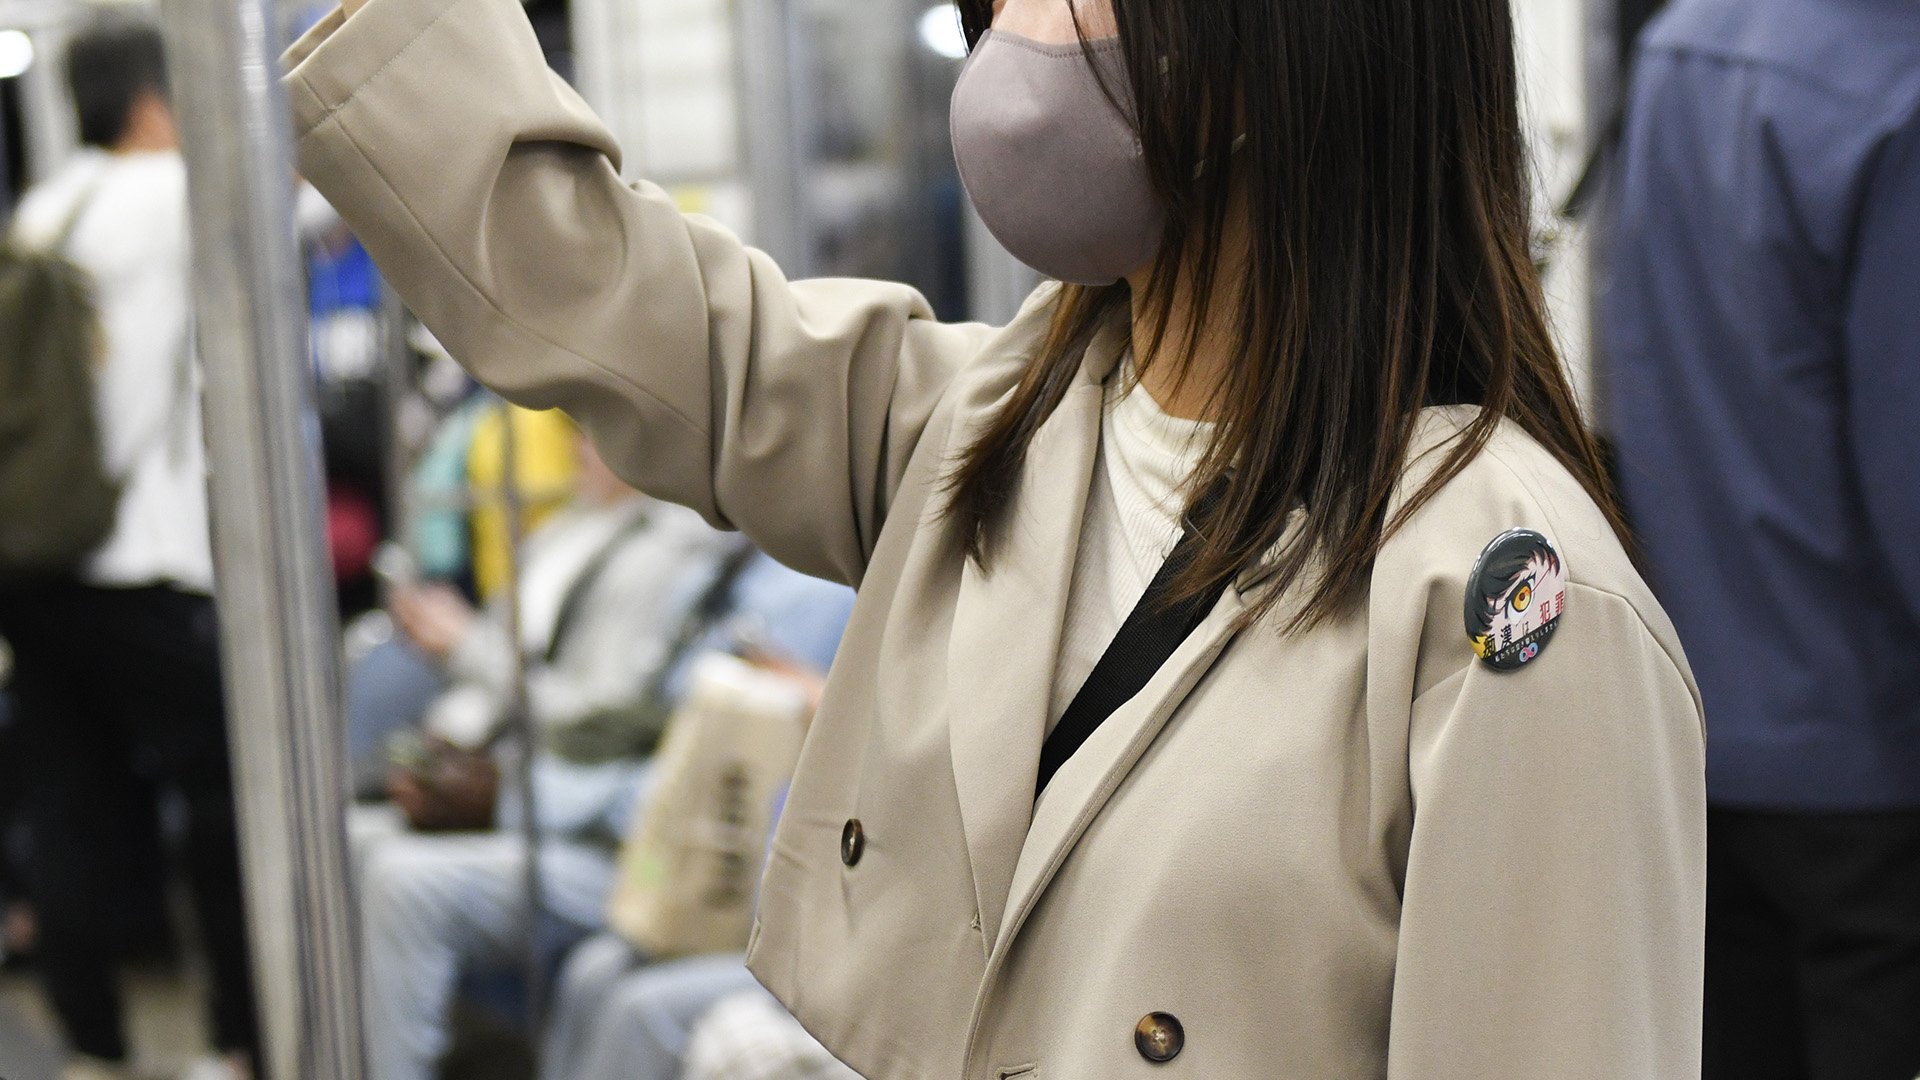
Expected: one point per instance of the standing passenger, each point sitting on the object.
(1246, 677)
(1764, 336)
(119, 666)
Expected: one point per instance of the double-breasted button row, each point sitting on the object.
(1159, 1037)
(853, 841)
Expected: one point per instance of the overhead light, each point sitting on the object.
(940, 32)
(16, 53)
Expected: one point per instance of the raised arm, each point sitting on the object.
(490, 196)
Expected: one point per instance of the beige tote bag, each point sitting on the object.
(690, 866)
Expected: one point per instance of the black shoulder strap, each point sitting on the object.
(712, 605)
(1150, 634)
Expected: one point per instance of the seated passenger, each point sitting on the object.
(607, 591)
(616, 1015)
(457, 536)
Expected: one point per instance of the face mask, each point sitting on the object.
(1055, 170)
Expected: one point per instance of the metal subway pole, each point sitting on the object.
(279, 625)
(520, 728)
(399, 448)
(778, 125)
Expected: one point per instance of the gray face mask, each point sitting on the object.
(1055, 170)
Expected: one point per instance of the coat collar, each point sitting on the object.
(1082, 787)
(1005, 644)
(1007, 628)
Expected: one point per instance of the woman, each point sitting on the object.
(1333, 834)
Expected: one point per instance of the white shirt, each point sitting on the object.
(556, 556)
(1132, 523)
(619, 633)
(132, 238)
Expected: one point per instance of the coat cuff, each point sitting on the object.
(339, 56)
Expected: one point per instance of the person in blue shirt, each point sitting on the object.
(1762, 340)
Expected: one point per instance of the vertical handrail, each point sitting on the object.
(279, 630)
(521, 731)
(46, 106)
(398, 449)
(777, 128)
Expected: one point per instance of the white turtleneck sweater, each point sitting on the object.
(1132, 523)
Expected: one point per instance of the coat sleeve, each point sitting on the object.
(490, 196)
(1554, 899)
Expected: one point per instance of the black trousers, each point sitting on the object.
(1813, 946)
(119, 696)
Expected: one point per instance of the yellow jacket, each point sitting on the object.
(545, 464)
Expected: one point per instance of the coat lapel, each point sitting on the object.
(1083, 785)
(1006, 635)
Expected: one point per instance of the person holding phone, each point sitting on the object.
(609, 585)
(1248, 676)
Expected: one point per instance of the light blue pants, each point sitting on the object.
(433, 906)
(616, 1017)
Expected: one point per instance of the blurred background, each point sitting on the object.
(515, 641)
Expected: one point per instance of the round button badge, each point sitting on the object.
(1515, 597)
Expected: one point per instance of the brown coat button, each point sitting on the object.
(853, 841)
(1159, 1037)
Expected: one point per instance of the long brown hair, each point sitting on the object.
(1370, 152)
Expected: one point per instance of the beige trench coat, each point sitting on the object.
(1352, 853)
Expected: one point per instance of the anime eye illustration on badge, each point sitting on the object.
(1515, 597)
(1522, 597)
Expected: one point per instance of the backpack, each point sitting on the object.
(57, 502)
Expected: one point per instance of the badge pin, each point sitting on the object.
(1515, 597)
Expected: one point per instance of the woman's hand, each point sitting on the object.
(435, 617)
